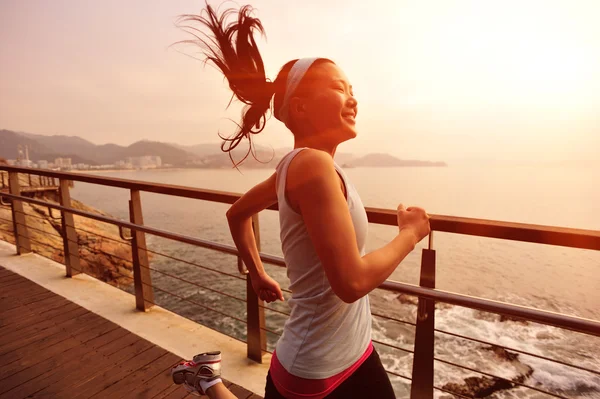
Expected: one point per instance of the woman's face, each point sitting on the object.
(327, 103)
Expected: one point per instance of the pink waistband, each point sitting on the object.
(293, 387)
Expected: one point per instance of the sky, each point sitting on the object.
(440, 80)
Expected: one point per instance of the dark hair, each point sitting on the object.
(233, 50)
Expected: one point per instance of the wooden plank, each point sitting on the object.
(178, 393)
(50, 343)
(240, 392)
(140, 376)
(8, 276)
(10, 286)
(154, 386)
(69, 361)
(24, 371)
(23, 324)
(168, 391)
(46, 337)
(113, 375)
(32, 322)
(37, 297)
(127, 345)
(38, 353)
(112, 361)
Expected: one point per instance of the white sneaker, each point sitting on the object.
(205, 366)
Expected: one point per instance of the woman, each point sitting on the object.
(325, 349)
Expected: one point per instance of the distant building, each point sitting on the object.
(157, 161)
(43, 164)
(144, 162)
(63, 163)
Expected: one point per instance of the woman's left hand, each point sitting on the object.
(267, 289)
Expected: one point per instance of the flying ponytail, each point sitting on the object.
(231, 47)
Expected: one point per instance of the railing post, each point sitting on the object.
(422, 372)
(69, 234)
(18, 216)
(144, 296)
(256, 337)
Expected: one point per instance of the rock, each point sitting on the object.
(407, 299)
(503, 353)
(481, 387)
(515, 319)
(478, 387)
(102, 253)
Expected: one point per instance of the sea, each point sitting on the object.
(546, 277)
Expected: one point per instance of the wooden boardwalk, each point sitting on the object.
(51, 347)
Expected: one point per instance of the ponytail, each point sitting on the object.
(233, 50)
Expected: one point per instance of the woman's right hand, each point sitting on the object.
(414, 219)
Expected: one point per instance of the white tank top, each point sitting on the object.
(323, 335)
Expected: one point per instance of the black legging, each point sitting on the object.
(368, 381)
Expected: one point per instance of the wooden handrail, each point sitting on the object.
(560, 236)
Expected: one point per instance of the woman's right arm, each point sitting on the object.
(313, 186)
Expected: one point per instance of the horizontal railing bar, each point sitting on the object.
(37, 217)
(270, 331)
(578, 324)
(273, 310)
(559, 236)
(544, 317)
(40, 230)
(8, 220)
(196, 303)
(394, 319)
(158, 188)
(196, 265)
(8, 231)
(123, 275)
(197, 285)
(518, 351)
(393, 346)
(118, 240)
(230, 249)
(38, 242)
(500, 378)
(112, 255)
(398, 375)
(575, 238)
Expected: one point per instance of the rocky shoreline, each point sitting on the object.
(102, 253)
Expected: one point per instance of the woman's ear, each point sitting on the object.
(297, 108)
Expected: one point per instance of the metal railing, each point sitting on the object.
(422, 385)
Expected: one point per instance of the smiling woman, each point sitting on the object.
(325, 349)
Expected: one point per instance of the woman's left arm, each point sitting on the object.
(239, 217)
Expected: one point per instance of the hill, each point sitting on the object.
(207, 155)
(385, 160)
(83, 151)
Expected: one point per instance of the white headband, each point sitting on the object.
(293, 80)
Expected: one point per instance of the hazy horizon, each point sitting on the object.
(500, 81)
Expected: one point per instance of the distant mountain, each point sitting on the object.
(386, 160)
(200, 150)
(207, 155)
(9, 142)
(82, 151)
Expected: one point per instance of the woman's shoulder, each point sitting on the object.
(312, 160)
